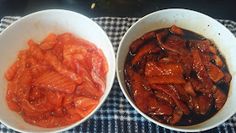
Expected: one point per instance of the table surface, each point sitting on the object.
(223, 9)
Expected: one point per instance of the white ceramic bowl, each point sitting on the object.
(37, 26)
(193, 21)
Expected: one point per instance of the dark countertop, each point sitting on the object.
(224, 9)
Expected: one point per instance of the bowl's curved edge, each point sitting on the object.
(113, 64)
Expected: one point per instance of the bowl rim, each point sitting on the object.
(175, 128)
(108, 88)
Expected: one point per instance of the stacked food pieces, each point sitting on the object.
(57, 82)
(176, 76)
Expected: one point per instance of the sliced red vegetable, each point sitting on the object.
(153, 69)
(218, 61)
(164, 97)
(170, 90)
(184, 96)
(200, 104)
(220, 99)
(140, 92)
(186, 60)
(227, 78)
(57, 65)
(206, 59)
(11, 72)
(160, 36)
(147, 49)
(199, 87)
(174, 44)
(167, 60)
(54, 81)
(88, 88)
(204, 104)
(189, 89)
(23, 85)
(136, 45)
(212, 49)
(215, 73)
(176, 30)
(162, 108)
(176, 117)
(85, 103)
(199, 67)
(165, 80)
(202, 45)
(12, 101)
(35, 93)
(148, 35)
(49, 42)
(35, 50)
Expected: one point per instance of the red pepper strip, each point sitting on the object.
(214, 73)
(147, 49)
(168, 89)
(199, 67)
(165, 80)
(163, 69)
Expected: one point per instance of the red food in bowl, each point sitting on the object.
(176, 77)
(57, 82)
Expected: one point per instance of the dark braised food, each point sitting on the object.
(176, 76)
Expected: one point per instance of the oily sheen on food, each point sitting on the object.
(176, 76)
(56, 82)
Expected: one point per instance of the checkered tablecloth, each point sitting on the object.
(116, 114)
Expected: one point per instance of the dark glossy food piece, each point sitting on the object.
(176, 76)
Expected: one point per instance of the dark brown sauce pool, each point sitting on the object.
(139, 68)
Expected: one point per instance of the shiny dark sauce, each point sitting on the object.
(176, 76)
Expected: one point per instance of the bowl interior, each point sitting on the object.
(37, 26)
(198, 23)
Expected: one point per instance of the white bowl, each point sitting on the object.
(37, 26)
(193, 21)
